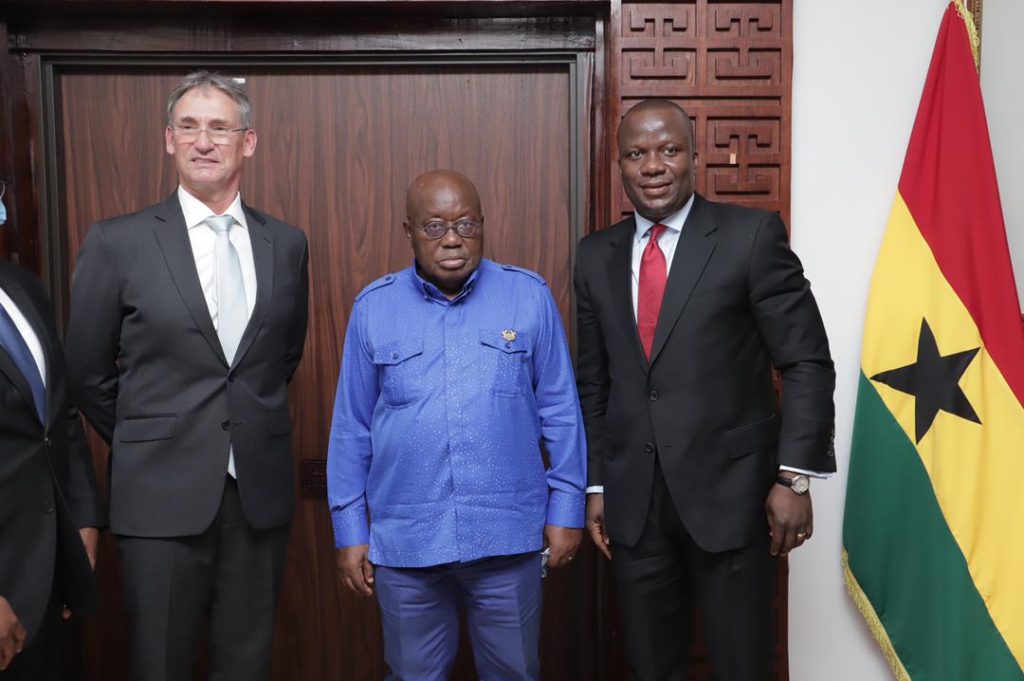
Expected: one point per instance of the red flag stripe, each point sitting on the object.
(949, 185)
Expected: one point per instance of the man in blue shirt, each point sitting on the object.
(454, 371)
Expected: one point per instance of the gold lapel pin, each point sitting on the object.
(509, 335)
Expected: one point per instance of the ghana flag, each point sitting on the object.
(933, 536)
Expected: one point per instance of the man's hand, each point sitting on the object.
(790, 519)
(595, 524)
(91, 541)
(355, 569)
(564, 542)
(12, 634)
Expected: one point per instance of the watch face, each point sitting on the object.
(801, 484)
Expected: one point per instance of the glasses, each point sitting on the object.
(435, 229)
(217, 134)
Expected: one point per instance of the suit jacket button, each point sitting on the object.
(47, 507)
(47, 441)
(654, 396)
(225, 425)
(649, 448)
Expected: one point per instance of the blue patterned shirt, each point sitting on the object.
(441, 409)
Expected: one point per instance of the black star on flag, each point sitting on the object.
(934, 381)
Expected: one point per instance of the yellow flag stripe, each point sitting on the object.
(976, 470)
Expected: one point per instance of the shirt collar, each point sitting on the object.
(674, 222)
(432, 291)
(195, 211)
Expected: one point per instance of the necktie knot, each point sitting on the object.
(655, 233)
(220, 223)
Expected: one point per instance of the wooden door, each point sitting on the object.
(338, 145)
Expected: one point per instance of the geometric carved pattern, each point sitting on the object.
(729, 65)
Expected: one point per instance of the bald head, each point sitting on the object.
(449, 198)
(439, 186)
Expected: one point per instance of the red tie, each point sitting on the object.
(653, 274)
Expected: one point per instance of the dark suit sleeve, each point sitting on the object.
(94, 330)
(591, 371)
(83, 497)
(297, 333)
(789, 322)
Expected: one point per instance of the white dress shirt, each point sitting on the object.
(667, 243)
(203, 238)
(26, 331)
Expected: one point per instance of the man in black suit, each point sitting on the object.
(49, 506)
(683, 310)
(188, 320)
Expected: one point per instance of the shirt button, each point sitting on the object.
(654, 396)
(394, 355)
(225, 425)
(649, 448)
(508, 344)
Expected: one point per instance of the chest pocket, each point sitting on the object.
(400, 363)
(504, 355)
(730, 296)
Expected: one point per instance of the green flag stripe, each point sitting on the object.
(907, 562)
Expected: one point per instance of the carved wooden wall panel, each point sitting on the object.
(729, 65)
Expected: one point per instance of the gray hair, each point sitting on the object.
(206, 80)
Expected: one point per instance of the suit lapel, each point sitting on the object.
(10, 370)
(692, 254)
(172, 236)
(263, 259)
(46, 340)
(620, 271)
(7, 365)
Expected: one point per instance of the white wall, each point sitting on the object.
(1002, 86)
(858, 72)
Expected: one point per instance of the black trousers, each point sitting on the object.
(665, 575)
(230, 574)
(42, 659)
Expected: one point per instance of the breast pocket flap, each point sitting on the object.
(506, 340)
(396, 352)
(146, 428)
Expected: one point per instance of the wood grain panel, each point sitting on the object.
(18, 237)
(333, 27)
(338, 145)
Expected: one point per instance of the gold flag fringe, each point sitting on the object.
(972, 31)
(867, 611)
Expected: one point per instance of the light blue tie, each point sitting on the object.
(232, 313)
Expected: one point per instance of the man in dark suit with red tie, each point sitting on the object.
(698, 470)
(49, 506)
